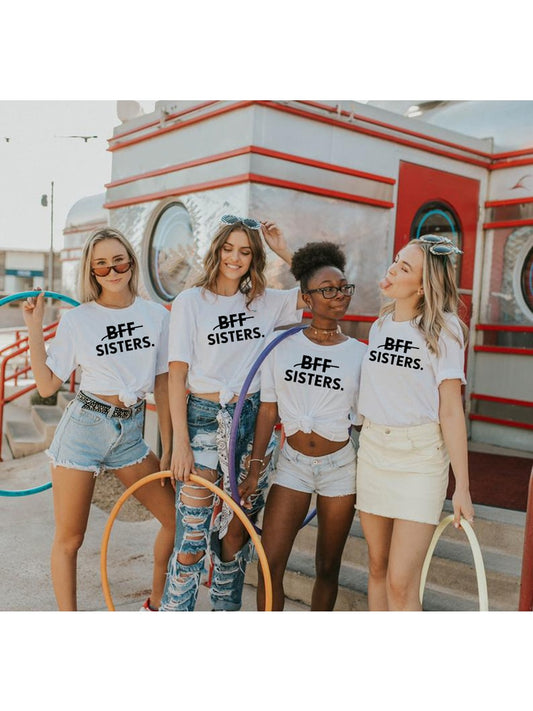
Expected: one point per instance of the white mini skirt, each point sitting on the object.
(402, 472)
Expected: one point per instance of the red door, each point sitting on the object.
(419, 186)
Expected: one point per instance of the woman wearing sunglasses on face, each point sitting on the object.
(119, 341)
(414, 423)
(218, 328)
(312, 380)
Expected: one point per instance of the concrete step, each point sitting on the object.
(23, 438)
(46, 419)
(451, 581)
(64, 397)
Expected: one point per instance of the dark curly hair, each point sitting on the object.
(313, 256)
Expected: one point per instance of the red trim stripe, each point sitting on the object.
(199, 187)
(512, 154)
(243, 178)
(376, 134)
(503, 349)
(503, 400)
(348, 317)
(507, 223)
(511, 164)
(302, 187)
(503, 327)
(180, 166)
(398, 129)
(257, 150)
(320, 164)
(498, 421)
(157, 122)
(181, 124)
(311, 116)
(499, 203)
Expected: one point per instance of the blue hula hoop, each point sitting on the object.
(17, 297)
(232, 464)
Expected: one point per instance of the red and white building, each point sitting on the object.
(365, 175)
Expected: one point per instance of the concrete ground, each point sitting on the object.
(26, 532)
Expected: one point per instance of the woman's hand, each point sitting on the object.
(182, 463)
(248, 487)
(273, 236)
(462, 506)
(33, 310)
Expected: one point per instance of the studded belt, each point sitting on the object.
(109, 410)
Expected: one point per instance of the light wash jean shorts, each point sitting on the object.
(329, 475)
(93, 441)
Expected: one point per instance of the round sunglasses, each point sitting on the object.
(121, 268)
(441, 246)
(248, 221)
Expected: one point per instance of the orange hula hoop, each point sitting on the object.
(215, 490)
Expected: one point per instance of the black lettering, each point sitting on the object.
(336, 384)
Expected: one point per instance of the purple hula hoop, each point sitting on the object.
(237, 416)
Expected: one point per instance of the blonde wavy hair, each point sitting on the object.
(253, 283)
(440, 297)
(88, 287)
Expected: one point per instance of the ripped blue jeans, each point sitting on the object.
(196, 532)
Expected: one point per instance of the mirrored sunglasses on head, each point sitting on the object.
(440, 245)
(247, 221)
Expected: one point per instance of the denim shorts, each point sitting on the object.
(92, 441)
(329, 475)
(203, 426)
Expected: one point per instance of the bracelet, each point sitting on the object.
(255, 460)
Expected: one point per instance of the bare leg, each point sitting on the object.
(335, 516)
(409, 545)
(72, 494)
(159, 500)
(378, 532)
(285, 512)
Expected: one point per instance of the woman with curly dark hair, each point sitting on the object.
(311, 381)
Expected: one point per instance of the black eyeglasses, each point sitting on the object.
(440, 245)
(248, 221)
(330, 292)
(121, 268)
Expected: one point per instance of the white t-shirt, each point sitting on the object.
(120, 351)
(220, 338)
(316, 386)
(401, 376)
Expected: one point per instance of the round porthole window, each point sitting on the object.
(171, 251)
(526, 280)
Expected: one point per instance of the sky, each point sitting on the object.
(35, 150)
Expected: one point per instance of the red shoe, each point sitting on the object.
(147, 607)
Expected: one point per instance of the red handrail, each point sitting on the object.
(4, 378)
(503, 327)
(526, 581)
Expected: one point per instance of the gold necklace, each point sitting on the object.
(329, 331)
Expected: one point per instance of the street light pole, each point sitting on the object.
(51, 254)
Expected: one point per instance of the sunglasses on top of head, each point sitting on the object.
(247, 221)
(441, 246)
(120, 268)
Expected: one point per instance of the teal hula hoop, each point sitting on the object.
(18, 297)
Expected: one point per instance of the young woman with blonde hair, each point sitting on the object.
(414, 423)
(217, 330)
(119, 341)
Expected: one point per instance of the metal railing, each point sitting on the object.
(13, 350)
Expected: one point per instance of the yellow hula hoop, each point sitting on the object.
(215, 490)
(478, 560)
